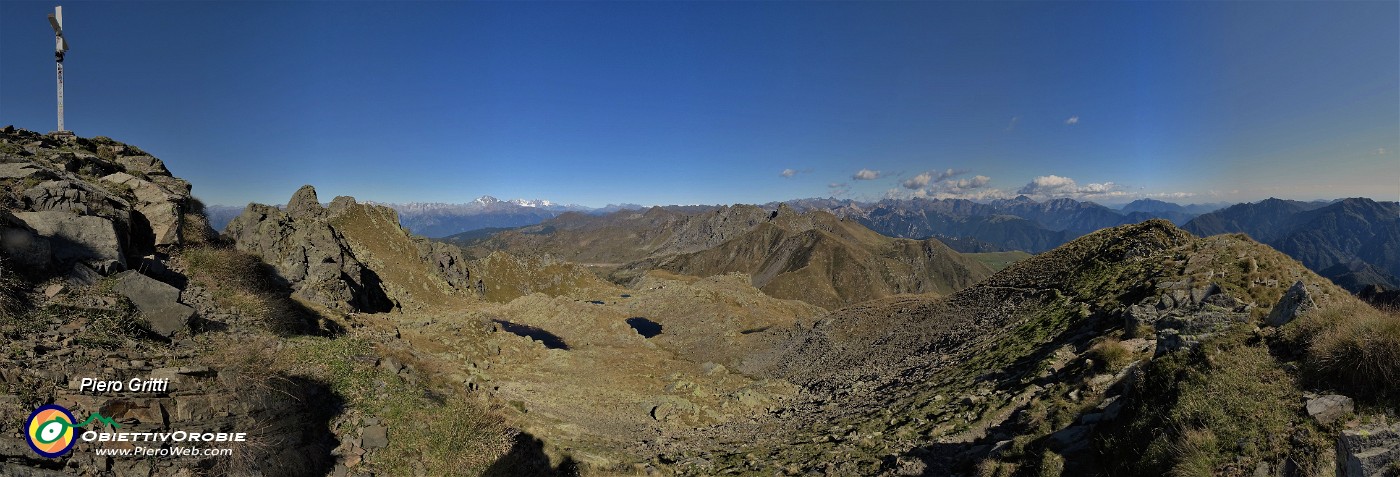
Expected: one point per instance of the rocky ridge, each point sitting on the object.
(307, 247)
(74, 206)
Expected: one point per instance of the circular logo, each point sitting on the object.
(50, 430)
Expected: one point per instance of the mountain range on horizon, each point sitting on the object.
(803, 336)
(441, 219)
(1318, 233)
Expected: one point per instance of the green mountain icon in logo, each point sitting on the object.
(97, 416)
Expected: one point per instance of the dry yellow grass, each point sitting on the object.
(1352, 347)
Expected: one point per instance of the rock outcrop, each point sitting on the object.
(82, 209)
(308, 246)
(160, 200)
(1295, 301)
(95, 203)
(77, 212)
(308, 253)
(1368, 452)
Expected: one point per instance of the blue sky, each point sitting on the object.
(724, 102)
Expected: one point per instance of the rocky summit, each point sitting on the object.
(731, 340)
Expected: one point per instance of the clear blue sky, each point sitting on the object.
(666, 102)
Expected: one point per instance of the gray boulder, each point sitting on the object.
(1327, 409)
(1170, 340)
(375, 437)
(25, 248)
(157, 301)
(71, 238)
(1294, 302)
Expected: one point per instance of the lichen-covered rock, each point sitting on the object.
(1327, 409)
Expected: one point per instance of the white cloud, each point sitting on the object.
(1380, 151)
(839, 188)
(789, 172)
(976, 182)
(978, 193)
(1012, 126)
(1053, 186)
(866, 175)
(1049, 185)
(925, 178)
(949, 173)
(940, 185)
(918, 182)
(1073, 120)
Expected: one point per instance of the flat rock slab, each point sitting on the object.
(375, 437)
(21, 170)
(158, 302)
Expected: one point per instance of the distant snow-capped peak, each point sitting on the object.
(532, 203)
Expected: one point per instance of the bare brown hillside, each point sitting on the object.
(813, 256)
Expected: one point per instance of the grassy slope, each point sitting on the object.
(998, 260)
(377, 240)
(506, 277)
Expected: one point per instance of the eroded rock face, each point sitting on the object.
(447, 261)
(308, 253)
